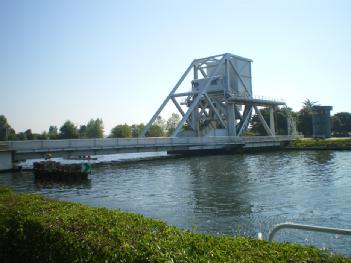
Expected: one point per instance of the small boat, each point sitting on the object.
(55, 170)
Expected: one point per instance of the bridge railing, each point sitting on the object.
(271, 138)
(4, 146)
(106, 143)
(52, 145)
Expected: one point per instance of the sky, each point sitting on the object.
(118, 60)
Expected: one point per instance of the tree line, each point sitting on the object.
(341, 126)
(93, 129)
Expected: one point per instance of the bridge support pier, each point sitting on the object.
(271, 120)
(231, 122)
(6, 161)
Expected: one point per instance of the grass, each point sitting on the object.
(37, 229)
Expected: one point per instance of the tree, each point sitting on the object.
(30, 135)
(21, 136)
(289, 116)
(53, 133)
(6, 131)
(304, 120)
(137, 129)
(69, 131)
(158, 128)
(308, 104)
(172, 123)
(341, 124)
(43, 136)
(11, 134)
(280, 121)
(95, 129)
(82, 131)
(255, 122)
(160, 122)
(121, 131)
(155, 131)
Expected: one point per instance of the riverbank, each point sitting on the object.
(321, 144)
(39, 229)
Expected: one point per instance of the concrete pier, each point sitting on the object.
(5, 160)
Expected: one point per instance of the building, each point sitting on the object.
(321, 122)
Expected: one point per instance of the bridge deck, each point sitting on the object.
(64, 148)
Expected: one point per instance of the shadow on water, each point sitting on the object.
(25, 181)
(41, 183)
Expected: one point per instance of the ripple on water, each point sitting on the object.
(225, 194)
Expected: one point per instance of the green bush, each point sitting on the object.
(37, 229)
(322, 143)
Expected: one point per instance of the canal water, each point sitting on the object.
(240, 194)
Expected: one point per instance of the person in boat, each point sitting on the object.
(48, 156)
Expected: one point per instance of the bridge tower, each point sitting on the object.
(219, 101)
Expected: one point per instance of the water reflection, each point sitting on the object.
(321, 166)
(322, 157)
(220, 186)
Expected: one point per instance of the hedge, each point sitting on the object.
(341, 143)
(37, 229)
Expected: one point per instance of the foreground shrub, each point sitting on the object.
(37, 229)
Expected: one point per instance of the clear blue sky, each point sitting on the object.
(117, 60)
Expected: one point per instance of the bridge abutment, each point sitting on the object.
(6, 160)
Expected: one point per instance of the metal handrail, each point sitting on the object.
(329, 230)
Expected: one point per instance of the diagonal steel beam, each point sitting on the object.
(215, 110)
(237, 113)
(203, 111)
(209, 58)
(203, 108)
(147, 127)
(198, 98)
(219, 105)
(245, 119)
(264, 123)
(203, 72)
(178, 106)
(180, 109)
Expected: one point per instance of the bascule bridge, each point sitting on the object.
(220, 101)
(215, 111)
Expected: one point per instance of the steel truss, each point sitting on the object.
(225, 108)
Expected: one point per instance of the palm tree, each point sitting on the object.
(305, 117)
(308, 104)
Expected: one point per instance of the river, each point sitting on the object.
(223, 194)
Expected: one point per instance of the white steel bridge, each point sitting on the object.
(215, 113)
(14, 151)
